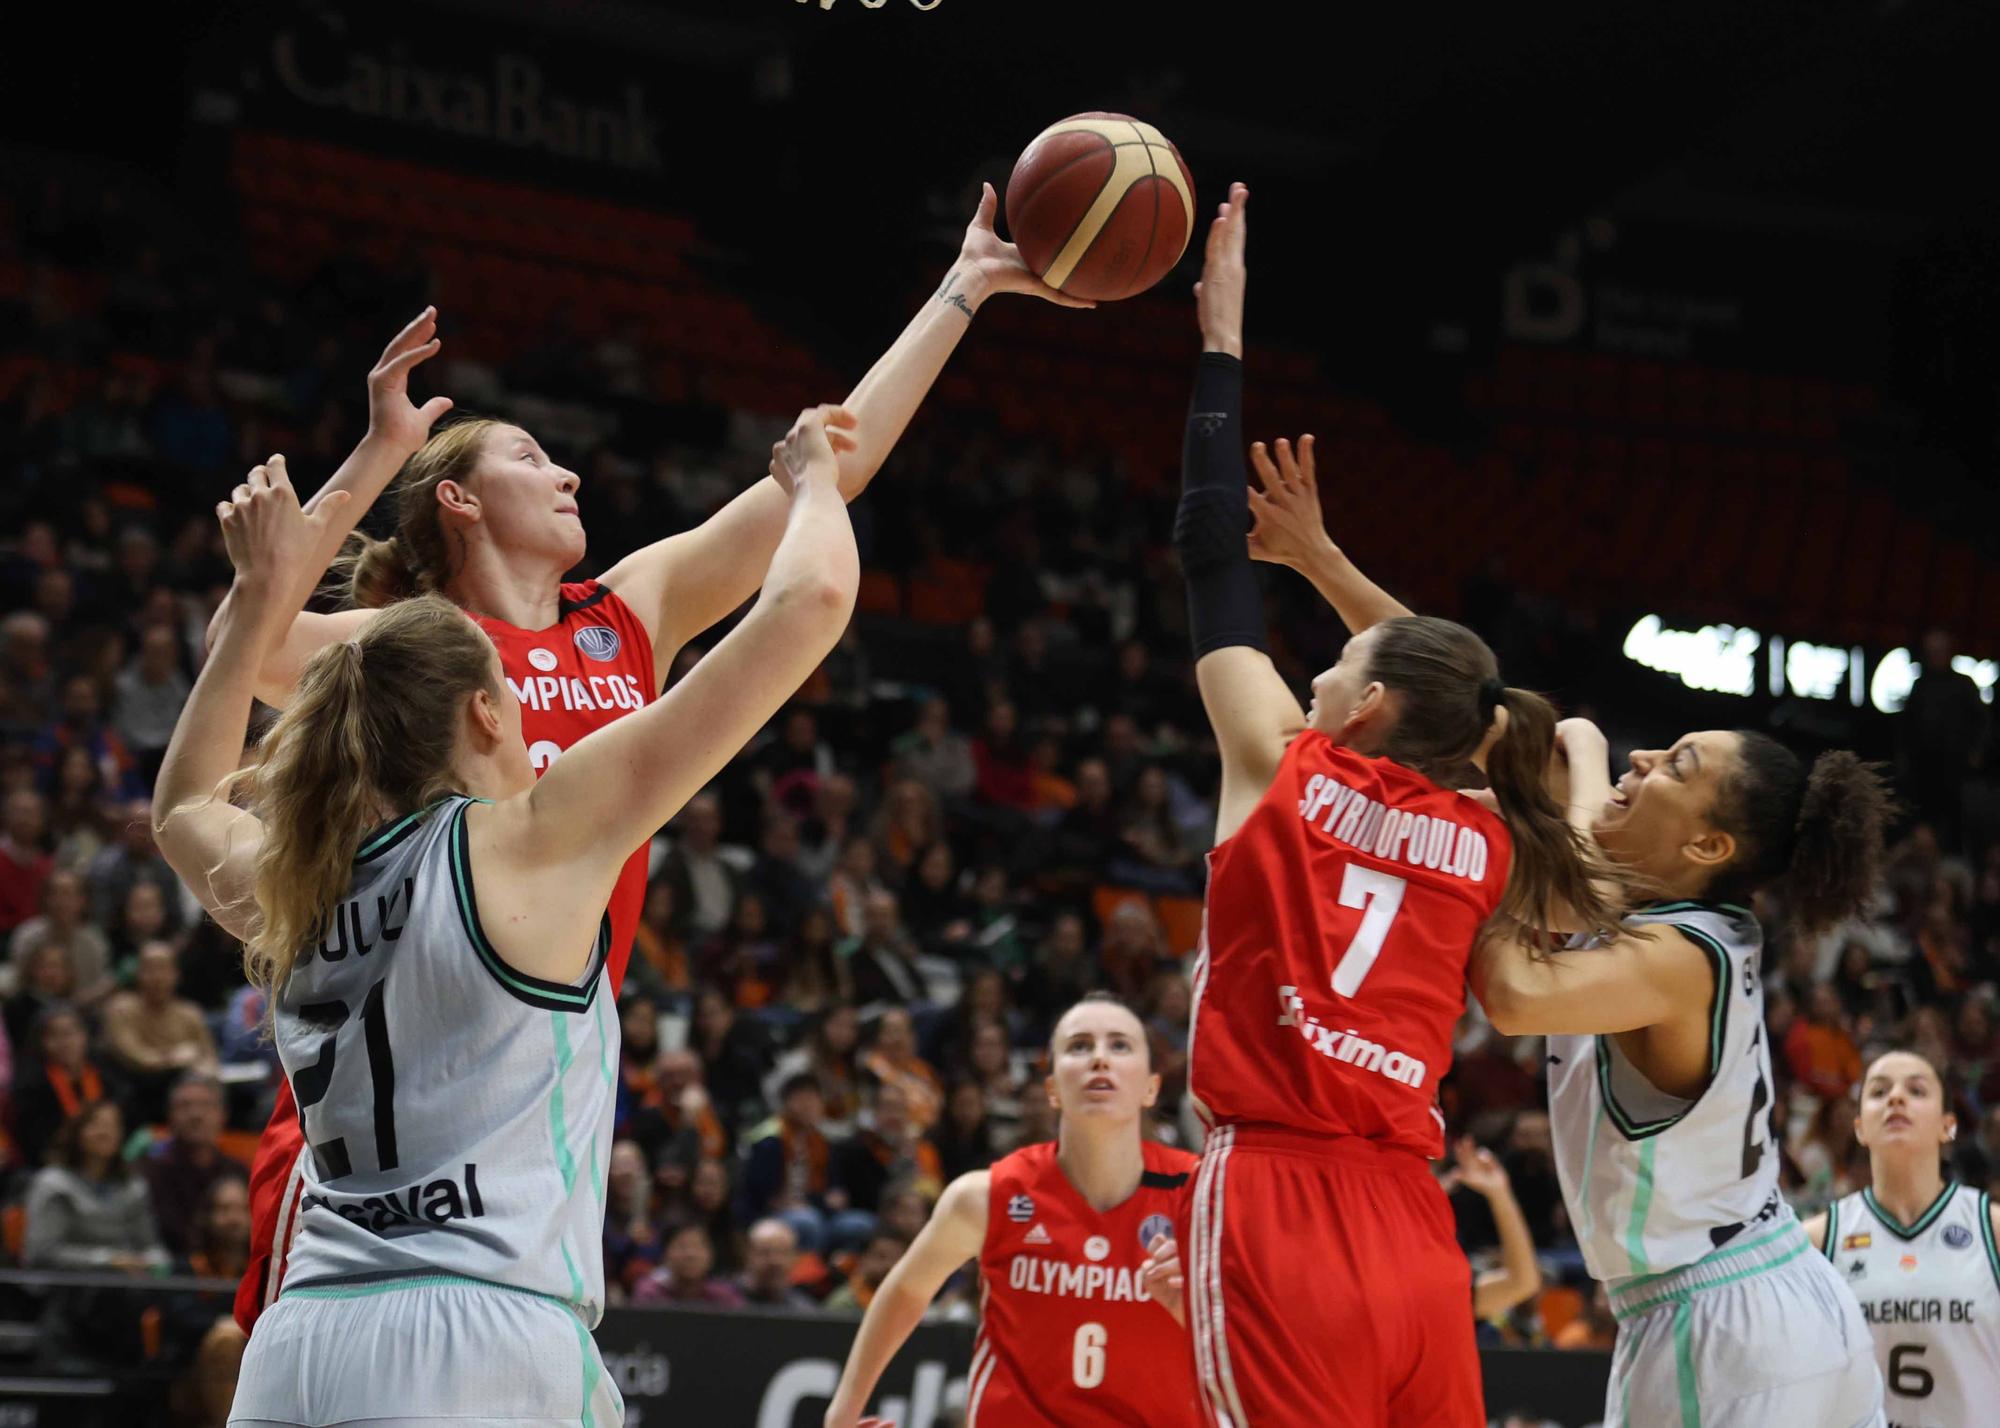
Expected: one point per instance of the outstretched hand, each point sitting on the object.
(1218, 296)
(268, 537)
(1289, 527)
(1478, 1169)
(1000, 261)
(392, 417)
(810, 449)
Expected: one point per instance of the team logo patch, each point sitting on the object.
(544, 660)
(1151, 1226)
(1861, 1241)
(1908, 1263)
(1096, 1248)
(600, 642)
(1036, 1236)
(1958, 1236)
(1021, 1209)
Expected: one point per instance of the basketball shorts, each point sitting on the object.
(1326, 1285)
(435, 1350)
(1756, 1335)
(274, 1205)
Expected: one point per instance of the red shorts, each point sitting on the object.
(1326, 1285)
(274, 1207)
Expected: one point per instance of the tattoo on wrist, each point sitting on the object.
(955, 299)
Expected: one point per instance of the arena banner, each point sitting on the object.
(739, 1370)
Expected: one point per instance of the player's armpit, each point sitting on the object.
(1643, 978)
(1815, 1229)
(1255, 717)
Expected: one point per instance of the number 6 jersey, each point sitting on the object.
(457, 1112)
(1654, 1182)
(1331, 972)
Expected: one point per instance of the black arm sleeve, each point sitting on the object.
(1212, 525)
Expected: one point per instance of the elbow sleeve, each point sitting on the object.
(1212, 523)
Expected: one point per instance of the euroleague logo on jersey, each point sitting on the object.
(1958, 1237)
(600, 642)
(1152, 1227)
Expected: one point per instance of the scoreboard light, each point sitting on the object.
(1722, 659)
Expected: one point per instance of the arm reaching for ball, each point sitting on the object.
(1289, 528)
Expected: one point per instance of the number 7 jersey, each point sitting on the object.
(1331, 972)
(457, 1112)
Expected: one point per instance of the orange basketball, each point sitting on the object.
(1101, 206)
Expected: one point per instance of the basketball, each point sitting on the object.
(1101, 206)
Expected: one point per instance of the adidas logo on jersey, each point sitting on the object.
(1036, 1236)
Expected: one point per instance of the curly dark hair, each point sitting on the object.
(1812, 836)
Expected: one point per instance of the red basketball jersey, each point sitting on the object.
(1067, 1332)
(593, 665)
(1339, 922)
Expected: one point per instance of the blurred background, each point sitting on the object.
(1655, 345)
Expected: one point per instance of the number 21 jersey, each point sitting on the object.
(457, 1112)
(1067, 1332)
(1331, 973)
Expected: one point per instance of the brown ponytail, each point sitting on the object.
(1449, 693)
(369, 735)
(416, 560)
(1813, 837)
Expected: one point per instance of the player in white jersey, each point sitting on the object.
(1660, 1077)
(1921, 1252)
(437, 985)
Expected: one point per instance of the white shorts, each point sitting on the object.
(1761, 1335)
(421, 1351)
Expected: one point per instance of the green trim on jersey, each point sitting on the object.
(1827, 1248)
(1986, 1235)
(1692, 905)
(380, 840)
(444, 1278)
(1804, 1246)
(1718, 1030)
(1684, 1375)
(535, 991)
(1642, 1206)
(1924, 1221)
(593, 1370)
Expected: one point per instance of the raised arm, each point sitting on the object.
(208, 841)
(1644, 977)
(1289, 528)
(954, 1234)
(1252, 711)
(1519, 1277)
(396, 429)
(558, 848)
(683, 584)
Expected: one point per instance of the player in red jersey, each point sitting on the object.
(485, 515)
(1080, 1294)
(1346, 890)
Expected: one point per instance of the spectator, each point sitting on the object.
(661, 959)
(935, 908)
(638, 1050)
(1134, 950)
(935, 756)
(1939, 736)
(1006, 774)
(704, 883)
(142, 919)
(788, 1174)
(892, 1059)
(1829, 1159)
(851, 884)
(65, 903)
(989, 1063)
(1518, 1278)
(824, 837)
(48, 980)
(1089, 835)
(25, 862)
(27, 677)
(769, 1262)
(1823, 1057)
(775, 875)
(827, 1055)
(877, 1259)
(151, 691)
(792, 766)
(673, 1119)
(711, 1203)
(882, 959)
(86, 1209)
(56, 1081)
(633, 1242)
(198, 1327)
(966, 1139)
(82, 726)
(736, 1052)
(1595, 1329)
(1157, 855)
(79, 825)
(746, 960)
(181, 1170)
(686, 1279)
(818, 978)
(1062, 972)
(131, 858)
(152, 1035)
(907, 824)
(889, 1147)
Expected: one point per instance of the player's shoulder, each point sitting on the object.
(1024, 1166)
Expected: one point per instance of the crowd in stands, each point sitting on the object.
(854, 943)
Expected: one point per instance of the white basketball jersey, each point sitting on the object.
(1653, 1181)
(1931, 1294)
(457, 1112)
